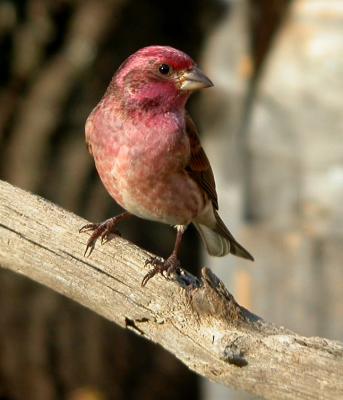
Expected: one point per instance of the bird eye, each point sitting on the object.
(164, 69)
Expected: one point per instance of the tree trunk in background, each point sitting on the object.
(228, 62)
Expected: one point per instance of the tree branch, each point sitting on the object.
(196, 320)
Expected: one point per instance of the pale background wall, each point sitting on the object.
(280, 169)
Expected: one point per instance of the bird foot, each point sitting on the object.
(164, 267)
(103, 230)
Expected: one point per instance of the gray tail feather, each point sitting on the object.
(219, 240)
(216, 244)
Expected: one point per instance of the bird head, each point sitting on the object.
(158, 76)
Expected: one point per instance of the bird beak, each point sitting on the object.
(194, 79)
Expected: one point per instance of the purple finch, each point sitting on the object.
(149, 157)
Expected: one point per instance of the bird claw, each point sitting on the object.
(88, 227)
(164, 267)
(104, 231)
(108, 235)
(89, 249)
(154, 261)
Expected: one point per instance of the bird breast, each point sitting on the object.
(152, 153)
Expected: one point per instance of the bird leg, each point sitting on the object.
(104, 230)
(171, 264)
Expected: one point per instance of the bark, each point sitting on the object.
(197, 320)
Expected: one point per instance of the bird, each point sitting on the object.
(149, 157)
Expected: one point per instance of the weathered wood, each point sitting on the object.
(198, 321)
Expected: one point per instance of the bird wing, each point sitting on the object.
(199, 167)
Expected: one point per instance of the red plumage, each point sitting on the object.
(148, 154)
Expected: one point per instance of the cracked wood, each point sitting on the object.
(197, 320)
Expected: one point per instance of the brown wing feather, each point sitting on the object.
(199, 167)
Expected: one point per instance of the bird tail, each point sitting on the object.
(219, 240)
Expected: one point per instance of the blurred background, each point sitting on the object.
(272, 128)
